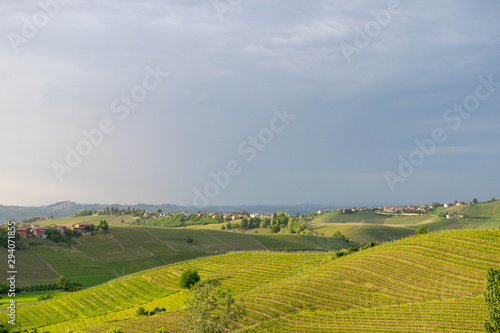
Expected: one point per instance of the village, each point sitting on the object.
(84, 229)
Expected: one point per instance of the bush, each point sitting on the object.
(189, 278)
(44, 297)
(422, 231)
(275, 229)
(189, 240)
(141, 311)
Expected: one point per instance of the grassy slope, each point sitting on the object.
(126, 249)
(363, 227)
(432, 282)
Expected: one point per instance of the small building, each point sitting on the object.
(320, 212)
(24, 232)
(254, 215)
(454, 216)
(39, 232)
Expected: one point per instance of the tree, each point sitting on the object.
(275, 229)
(141, 311)
(189, 278)
(422, 231)
(436, 205)
(158, 211)
(492, 298)
(211, 308)
(103, 224)
(474, 201)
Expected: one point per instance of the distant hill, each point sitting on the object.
(66, 208)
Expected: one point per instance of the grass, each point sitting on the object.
(31, 297)
(431, 282)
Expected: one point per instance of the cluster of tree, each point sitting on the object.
(179, 220)
(143, 312)
(56, 236)
(338, 235)
(67, 285)
(103, 225)
(4, 289)
(4, 237)
(211, 308)
(40, 287)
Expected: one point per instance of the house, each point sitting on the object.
(201, 214)
(347, 211)
(39, 232)
(254, 215)
(392, 209)
(24, 231)
(268, 215)
(454, 216)
(320, 212)
(451, 204)
(238, 217)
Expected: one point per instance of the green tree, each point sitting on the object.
(141, 311)
(158, 211)
(211, 308)
(422, 231)
(492, 298)
(275, 229)
(189, 278)
(103, 225)
(474, 201)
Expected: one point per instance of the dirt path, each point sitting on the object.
(150, 253)
(494, 209)
(115, 240)
(219, 240)
(305, 240)
(161, 241)
(86, 255)
(46, 263)
(256, 241)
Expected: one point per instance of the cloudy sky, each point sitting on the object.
(282, 103)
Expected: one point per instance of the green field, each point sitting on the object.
(31, 297)
(425, 283)
(123, 250)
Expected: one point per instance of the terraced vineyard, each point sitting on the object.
(424, 283)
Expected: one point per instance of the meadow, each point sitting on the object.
(425, 283)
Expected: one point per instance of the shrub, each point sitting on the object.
(422, 231)
(189, 278)
(275, 229)
(141, 311)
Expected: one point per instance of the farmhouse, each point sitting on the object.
(320, 212)
(454, 216)
(254, 215)
(39, 232)
(24, 231)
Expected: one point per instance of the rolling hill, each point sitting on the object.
(424, 283)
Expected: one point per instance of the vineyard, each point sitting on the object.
(425, 283)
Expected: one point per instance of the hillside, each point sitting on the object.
(125, 249)
(366, 226)
(424, 283)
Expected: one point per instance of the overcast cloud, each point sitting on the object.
(353, 119)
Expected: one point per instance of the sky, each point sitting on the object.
(237, 102)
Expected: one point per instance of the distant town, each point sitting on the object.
(31, 229)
